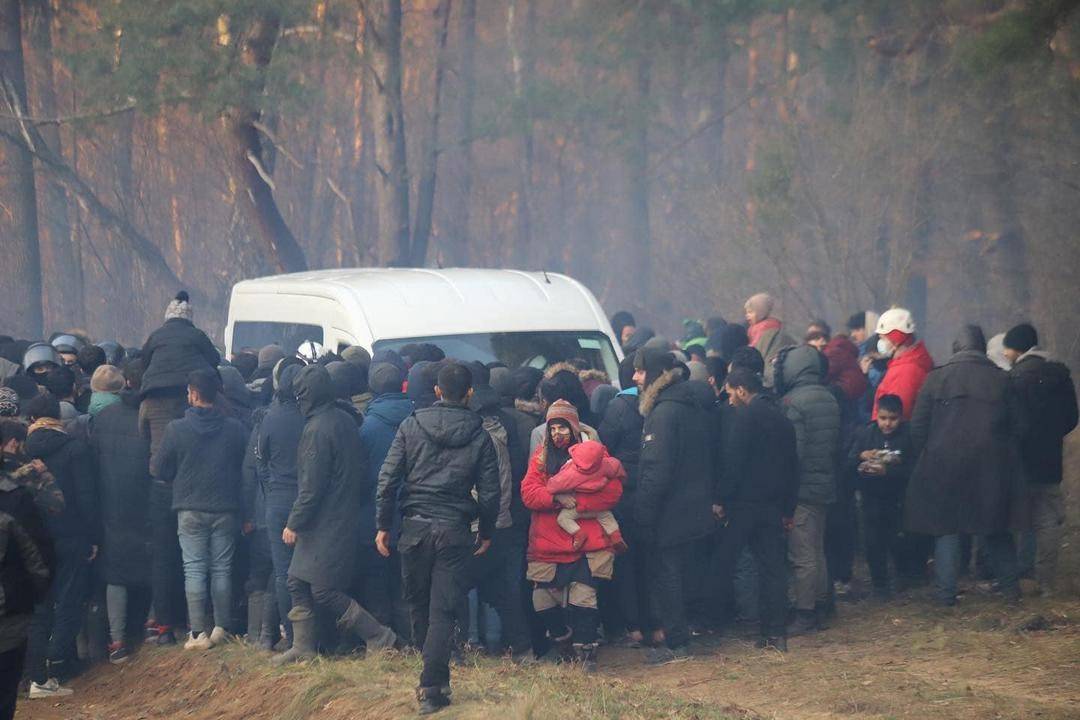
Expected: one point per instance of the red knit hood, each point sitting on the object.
(588, 455)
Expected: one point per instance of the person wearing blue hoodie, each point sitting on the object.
(201, 457)
(379, 578)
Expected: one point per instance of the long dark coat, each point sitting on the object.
(333, 486)
(966, 432)
(123, 461)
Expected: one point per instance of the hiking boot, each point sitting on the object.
(118, 654)
(359, 622)
(256, 604)
(665, 655)
(772, 643)
(805, 623)
(198, 642)
(585, 653)
(51, 688)
(303, 647)
(431, 700)
(219, 636)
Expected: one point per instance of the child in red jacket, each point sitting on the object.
(588, 470)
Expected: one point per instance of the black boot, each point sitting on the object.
(431, 700)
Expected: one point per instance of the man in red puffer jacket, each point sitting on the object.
(909, 362)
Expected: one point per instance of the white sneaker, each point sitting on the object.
(198, 642)
(51, 688)
(219, 636)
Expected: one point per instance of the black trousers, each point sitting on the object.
(11, 669)
(881, 526)
(378, 589)
(496, 575)
(841, 531)
(435, 576)
(667, 583)
(304, 594)
(166, 572)
(757, 527)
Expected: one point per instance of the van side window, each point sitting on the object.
(288, 335)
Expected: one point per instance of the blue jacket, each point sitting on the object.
(384, 415)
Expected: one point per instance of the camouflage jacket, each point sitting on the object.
(36, 478)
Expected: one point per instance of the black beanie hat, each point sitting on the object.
(385, 378)
(654, 361)
(1021, 338)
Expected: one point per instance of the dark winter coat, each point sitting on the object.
(761, 463)
(966, 430)
(895, 479)
(172, 352)
(333, 484)
(123, 461)
(201, 457)
(675, 473)
(438, 456)
(1048, 397)
(384, 415)
(813, 411)
(513, 513)
(620, 431)
(26, 563)
(277, 445)
(71, 464)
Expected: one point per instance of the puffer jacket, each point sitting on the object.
(815, 414)
(904, 378)
(172, 352)
(676, 477)
(966, 432)
(1046, 392)
(333, 484)
(439, 455)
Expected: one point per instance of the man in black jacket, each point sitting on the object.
(439, 455)
(1048, 398)
(331, 469)
(75, 534)
(675, 486)
(756, 497)
(200, 458)
(174, 350)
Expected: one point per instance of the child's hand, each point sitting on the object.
(567, 501)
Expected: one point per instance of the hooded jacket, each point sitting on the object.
(676, 474)
(201, 457)
(904, 377)
(69, 460)
(844, 370)
(1048, 397)
(26, 563)
(384, 415)
(123, 462)
(438, 456)
(761, 462)
(966, 432)
(620, 431)
(512, 454)
(332, 483)
(588, 470)
(172, 352)
(768, 338)
(815, 415)
(278, 439)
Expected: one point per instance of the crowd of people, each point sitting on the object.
(318, 503)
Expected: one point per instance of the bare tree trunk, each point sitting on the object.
(246, 159)
(383, 47)
(62, 281)
(521, 59)
(22, 309)
(638, 166)
(459, 253)
(425, 200)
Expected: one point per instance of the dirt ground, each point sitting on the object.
(907, 659)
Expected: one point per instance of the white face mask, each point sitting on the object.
(885, 347)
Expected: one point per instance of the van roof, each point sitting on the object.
(410, 302)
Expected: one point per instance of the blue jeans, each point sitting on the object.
(207, 542)
(1002, 555)
(278, 507)
(58, 618)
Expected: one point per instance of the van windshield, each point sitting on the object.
(536, 349)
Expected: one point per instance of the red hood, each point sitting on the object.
(918, 355)
(759, 328)
(588, 455)
(841, 348)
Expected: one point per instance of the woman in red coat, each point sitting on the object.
(565, 579)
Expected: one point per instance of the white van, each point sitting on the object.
(518, 318)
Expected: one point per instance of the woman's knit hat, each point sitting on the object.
(179, 307)
(107, 379)
(565, 411)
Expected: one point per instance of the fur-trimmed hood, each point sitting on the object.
(651, 394)
(594, 375)
(531, 407)
(558, 367)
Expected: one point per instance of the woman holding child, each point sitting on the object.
(571, 486)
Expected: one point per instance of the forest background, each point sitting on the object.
(674, 156)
